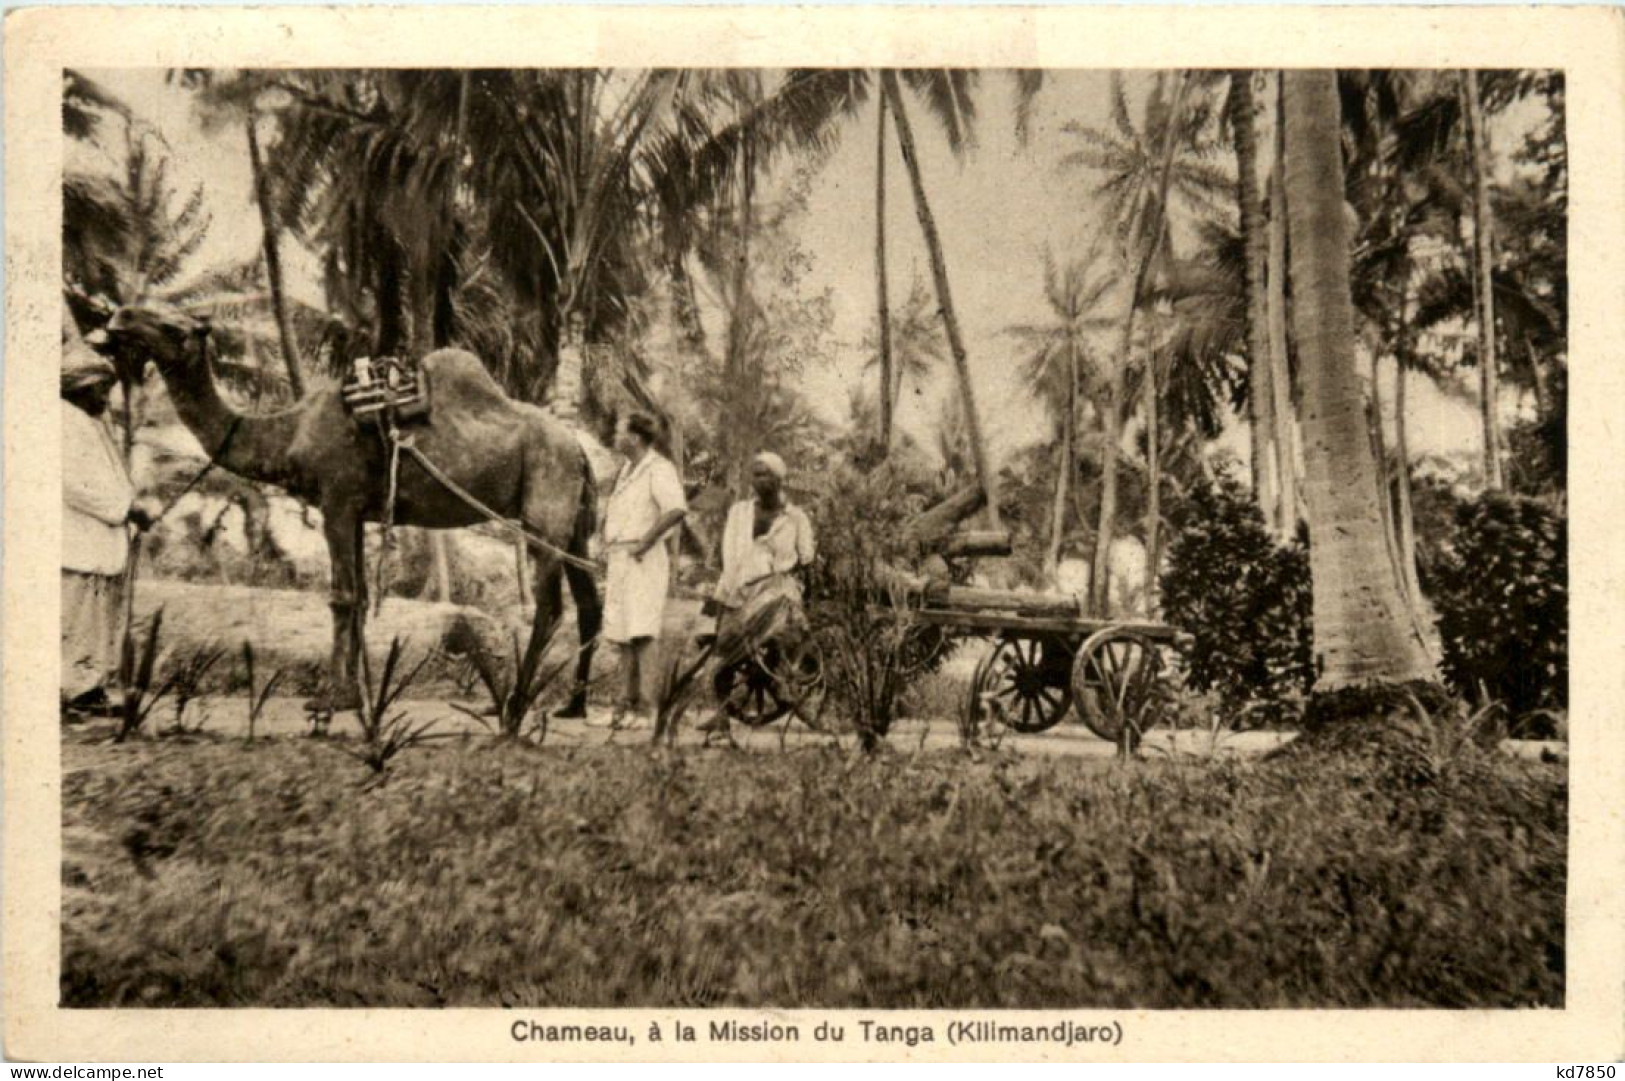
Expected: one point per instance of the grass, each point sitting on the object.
(492, 873)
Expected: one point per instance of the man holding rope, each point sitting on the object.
(646, 502)
(98, 508)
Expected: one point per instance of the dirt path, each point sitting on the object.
(283, 717)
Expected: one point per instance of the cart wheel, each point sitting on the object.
(772, 681)
(1020, 685)
(1117, 682)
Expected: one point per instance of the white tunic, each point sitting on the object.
(635, 592)
(748, 559)
(96, 496)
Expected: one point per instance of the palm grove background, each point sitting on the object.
(1117, 243)
(1278, 358)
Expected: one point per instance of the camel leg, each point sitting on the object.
(570, 524)
(549, 606)
(347, 597)
(589, 621)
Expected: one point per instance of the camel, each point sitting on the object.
(512, 456)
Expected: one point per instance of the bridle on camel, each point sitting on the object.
(202, 334)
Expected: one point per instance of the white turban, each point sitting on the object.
(774, 463)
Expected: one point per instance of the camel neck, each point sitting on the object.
(249, 445)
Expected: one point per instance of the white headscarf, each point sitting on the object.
(774, 463)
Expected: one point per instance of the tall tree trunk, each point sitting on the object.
(1283, 415)
(1385, 490)
(1539, 379)
(273, 257)
(1063, 471)
(1363, 633)
(740, 316)
(1402, 451)
(391, 295)
(883, 305)
(945, 300)
(1484, 265)
(1100, 575)
(685, 305)
(1260, 392)
(1153, 469)
(438, 587)
(1160, 244)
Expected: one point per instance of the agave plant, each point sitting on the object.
(257, 697)
(137, 672)
(514, 689)
(385, 731)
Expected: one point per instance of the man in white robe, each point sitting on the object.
(765, 541)
(646, 502)
(98, 508)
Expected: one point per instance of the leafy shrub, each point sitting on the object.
(1502, 595)
(860, 609)
(1244, 598)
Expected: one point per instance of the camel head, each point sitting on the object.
(168, 337)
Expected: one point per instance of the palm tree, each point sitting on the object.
(1141, 170)
(882, 305)
(1281, 386)
(952, 86)
(1484, 267)
(1362, 627)
(1060, 364)
(917, 341)
(1266, 428)
(235, 98)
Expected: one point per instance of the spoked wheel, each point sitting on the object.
(773, 681)
(1117, 681)
(1022, 684)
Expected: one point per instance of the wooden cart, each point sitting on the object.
(1045, 659)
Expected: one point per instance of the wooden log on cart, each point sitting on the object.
(973, 543)
(932, 528)
(1017, 601)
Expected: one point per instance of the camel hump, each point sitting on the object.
(458, 379)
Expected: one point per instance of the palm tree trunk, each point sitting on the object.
(1159, 250)
(1539, 379)
(685, 305)
(1283, 416)
(440, 553)
(1063, 472)
(1100, 568)
(1099, 580)
(883, 322)
(1260, 392)
(1385, 491)
(740, 316)
(1483, 246)
(273, 258)
(939, 273)
(1402, 451)
(391, 295)
(1362, 631)
(1153, 470)
(445, 261)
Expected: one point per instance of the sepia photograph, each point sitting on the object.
(960, 556)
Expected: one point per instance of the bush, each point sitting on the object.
(1246, 601)
(873, 646)
(1501, 589)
